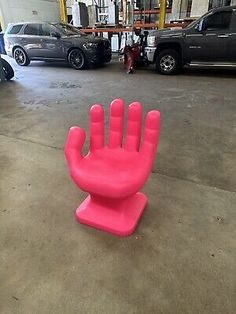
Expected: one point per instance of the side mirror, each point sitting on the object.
(56, 34)
(199, 26)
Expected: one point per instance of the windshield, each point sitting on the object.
(68, 30)
(195, 22)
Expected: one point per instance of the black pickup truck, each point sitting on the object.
(209, 39)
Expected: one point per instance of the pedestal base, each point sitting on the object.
(119, 217)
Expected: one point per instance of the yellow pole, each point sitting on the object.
(162, 15)
(63, 11)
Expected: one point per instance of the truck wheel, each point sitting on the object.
(77, 59)
(21, 57)
(168, 62)
(8, 71)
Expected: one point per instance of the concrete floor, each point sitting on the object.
(182, 257)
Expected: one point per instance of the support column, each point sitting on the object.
(63, 11)
(162, 15)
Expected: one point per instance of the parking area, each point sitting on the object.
(182, 257)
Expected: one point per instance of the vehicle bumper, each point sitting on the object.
(150, 52)
(8, 49)
(99, 56)
(9, 53)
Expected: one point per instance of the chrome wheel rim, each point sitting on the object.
(20, 56)
(167, 63)
(76, 59)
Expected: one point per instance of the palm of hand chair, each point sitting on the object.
(115, 170)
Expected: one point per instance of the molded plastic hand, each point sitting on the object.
(113, 173)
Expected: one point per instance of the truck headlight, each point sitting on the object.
(151, 41)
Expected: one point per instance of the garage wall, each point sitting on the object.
(199, 7)
(48, 10)
(28, 10)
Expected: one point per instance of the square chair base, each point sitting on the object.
(119, 217)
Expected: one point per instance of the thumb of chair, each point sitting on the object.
(73, 147)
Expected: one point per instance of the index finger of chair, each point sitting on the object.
(134, 126)
(96, 127)
(116, 123)
(151, 134)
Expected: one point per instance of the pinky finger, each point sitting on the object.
(151, 135)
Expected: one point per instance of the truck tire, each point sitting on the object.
(7, 69)
(168, 62)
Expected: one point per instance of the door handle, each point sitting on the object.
(223, 36)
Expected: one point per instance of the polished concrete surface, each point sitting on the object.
(182, 256)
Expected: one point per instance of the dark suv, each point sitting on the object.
(55, 41)
(209, 39)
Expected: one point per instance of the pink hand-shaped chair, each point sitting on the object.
(113, 174)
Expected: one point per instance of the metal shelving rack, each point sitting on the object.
(127, 27)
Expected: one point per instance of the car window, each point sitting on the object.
(220, 20)
(46, 29)
(31, 29)
(15, 29)
(68, 30)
